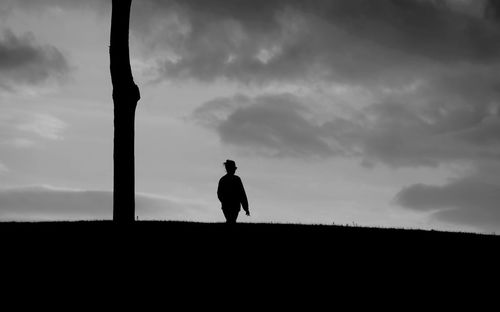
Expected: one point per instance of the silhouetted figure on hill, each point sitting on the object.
(232, 194)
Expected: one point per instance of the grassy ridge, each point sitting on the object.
(161, 239)
(178, 233)
(155, 233)
(263, 261)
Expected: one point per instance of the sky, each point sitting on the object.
(374, 113)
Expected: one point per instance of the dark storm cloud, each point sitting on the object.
(464, 201)
(46, 203)
(493, 9)
(273, 125)
(396, 134)
(355, 41)
(25, 62)
(403, 135)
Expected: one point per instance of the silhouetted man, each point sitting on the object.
(231, 193)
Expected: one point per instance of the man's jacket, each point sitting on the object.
(231, 193)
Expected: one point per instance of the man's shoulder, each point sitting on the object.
(230, 177)
(226, 177)
(237, 178)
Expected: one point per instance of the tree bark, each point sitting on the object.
(125, 97)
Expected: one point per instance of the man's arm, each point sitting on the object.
(219, 191)
(243, 199)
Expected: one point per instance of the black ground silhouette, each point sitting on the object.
(169, 240)
(246, 262)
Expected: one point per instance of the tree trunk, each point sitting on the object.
(125, 97)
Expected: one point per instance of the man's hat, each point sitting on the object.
(230, 164)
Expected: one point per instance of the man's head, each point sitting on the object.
(230, 166)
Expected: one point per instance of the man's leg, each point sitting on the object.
(231, 215)
(226, 215)
(234, 216)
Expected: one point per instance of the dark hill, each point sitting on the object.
(173, 257)
(166, 238)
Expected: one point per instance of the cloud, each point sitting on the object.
(492, 10)
(352, 41)
(262, 39)
(273, 125)
(403, 134)
(22, 129)
(39, 6)
(18, 142)
(44, 125)
(397, 134)
(430, 69)
(25, 62)
(3, 168)
(464, 201)
(49, 203)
